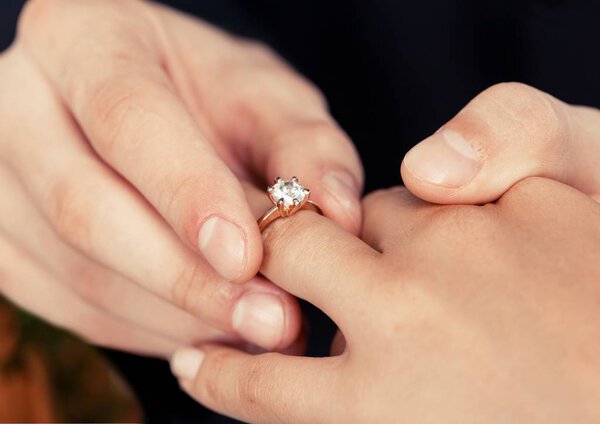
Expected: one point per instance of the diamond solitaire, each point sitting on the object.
(290, 192)
(288, 197)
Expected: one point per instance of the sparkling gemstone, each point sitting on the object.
(288, 191)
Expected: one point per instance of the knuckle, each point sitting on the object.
(81, 280)
(322, 138)
(199, 290)
(210, 390)
(540, 118)
(35, 12)
(85, 281)
(185, 198)
(254, 385)
(116, 110)
(187, 285)
(69, 214)
(180, 198)
(195, 287)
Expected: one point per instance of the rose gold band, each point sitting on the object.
(275, 212)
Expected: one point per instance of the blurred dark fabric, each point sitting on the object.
(9, 10)
(393, 72)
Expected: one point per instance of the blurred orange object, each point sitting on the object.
(24, 389)
(47, 375)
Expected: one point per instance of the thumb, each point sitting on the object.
(507, 133)
(270, 387)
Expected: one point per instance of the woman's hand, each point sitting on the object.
(450, 314)
(505, 134)
(126, 131)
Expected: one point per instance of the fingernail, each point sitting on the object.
(186, 362)
(223, 245)
(258, 317)
(343, 187)
(444, 158)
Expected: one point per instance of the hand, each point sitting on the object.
(127, 129)
(505, 134)
(455, 314)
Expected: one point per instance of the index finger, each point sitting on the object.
(107, 68)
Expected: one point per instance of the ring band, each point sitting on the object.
(288, 197)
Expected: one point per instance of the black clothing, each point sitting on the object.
(393, 72)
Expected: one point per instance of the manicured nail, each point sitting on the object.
(186, 362)
(223, 245)
(343, 187)
(444, 158)
(258, 317)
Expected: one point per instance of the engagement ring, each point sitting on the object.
(288, 197)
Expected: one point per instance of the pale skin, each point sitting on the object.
(128, 130)
(126, 127)
(450, 313)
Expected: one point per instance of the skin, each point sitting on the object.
(508, 132)
(450, 313)
(456, 313)
(101, 98)
(127, 126)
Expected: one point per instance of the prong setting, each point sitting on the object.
(281, 207)
(288, 195)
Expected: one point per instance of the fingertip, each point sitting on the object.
(446, 159)
(487, 187)
(186, 362)
(435, 193)
(233, 250)
(267, 316)
(444, 168)
(186, 386)
(423, 190)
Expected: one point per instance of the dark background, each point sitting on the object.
(393, 72)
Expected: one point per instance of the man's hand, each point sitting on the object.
(450, 314)
(127, 129)
(505, 134)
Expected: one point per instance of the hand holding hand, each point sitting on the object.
(450, 313)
